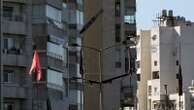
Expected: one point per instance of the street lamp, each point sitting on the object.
(101, 81)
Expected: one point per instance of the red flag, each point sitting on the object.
(35, 67)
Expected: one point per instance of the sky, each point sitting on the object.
(147, 9)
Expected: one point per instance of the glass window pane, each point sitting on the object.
(53, 13)
(38, 11)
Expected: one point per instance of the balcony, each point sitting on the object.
(18, 1)
(13, 58)
(14, 91)
(11, 21)
(11, 27)
(56, 64)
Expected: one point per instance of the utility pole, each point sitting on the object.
(1, 56)
(166, 97)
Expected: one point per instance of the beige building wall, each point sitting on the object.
(102, 35)
(92, 38)
(144, 57)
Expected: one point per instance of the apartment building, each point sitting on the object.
(113, 26)
(16, 51)
(171, 45)
(56, 23)
(143, 64)
(48, 24)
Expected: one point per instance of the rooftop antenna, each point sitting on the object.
(157, 20)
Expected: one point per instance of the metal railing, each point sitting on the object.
(13, 17)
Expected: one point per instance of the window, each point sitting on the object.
(118, 64)
(73, 107)
(117, 8)
(53, 13)
(7, 12)
(56, 40)
(177, 62)
(66, 87)
(72, 26)
(8, 76)
(126, 64)
(138, 64)
(130, 19)
(155, 75)
(38, 11)
(149, 90)
(80, 2)
(138, 77)
(55, 51)
(54, 16)
(54, 77)
(155, 90)
(13, 13)
(154, 37)
(8, 106)
(155, 63)
(12, 45)
(117, 33)
(79, 16)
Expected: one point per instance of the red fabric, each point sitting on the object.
(35, 67)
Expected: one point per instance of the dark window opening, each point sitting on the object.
(73, 107)
(155, 63)
(177, 62)
(138, 77)
(138, 64)
(117, 33)
(8, 106)
(8, 76)
(155, 75)
(126, 64)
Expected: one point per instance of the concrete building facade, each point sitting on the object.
(48, 24)
(55, 24)
(116, 24)
(143, 68)
(171, 45)
(16, 37)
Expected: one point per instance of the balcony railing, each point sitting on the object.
(13, 17)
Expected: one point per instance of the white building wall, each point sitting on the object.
(187, 53)
(144, 57)
(168, 44)
(167, 60)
